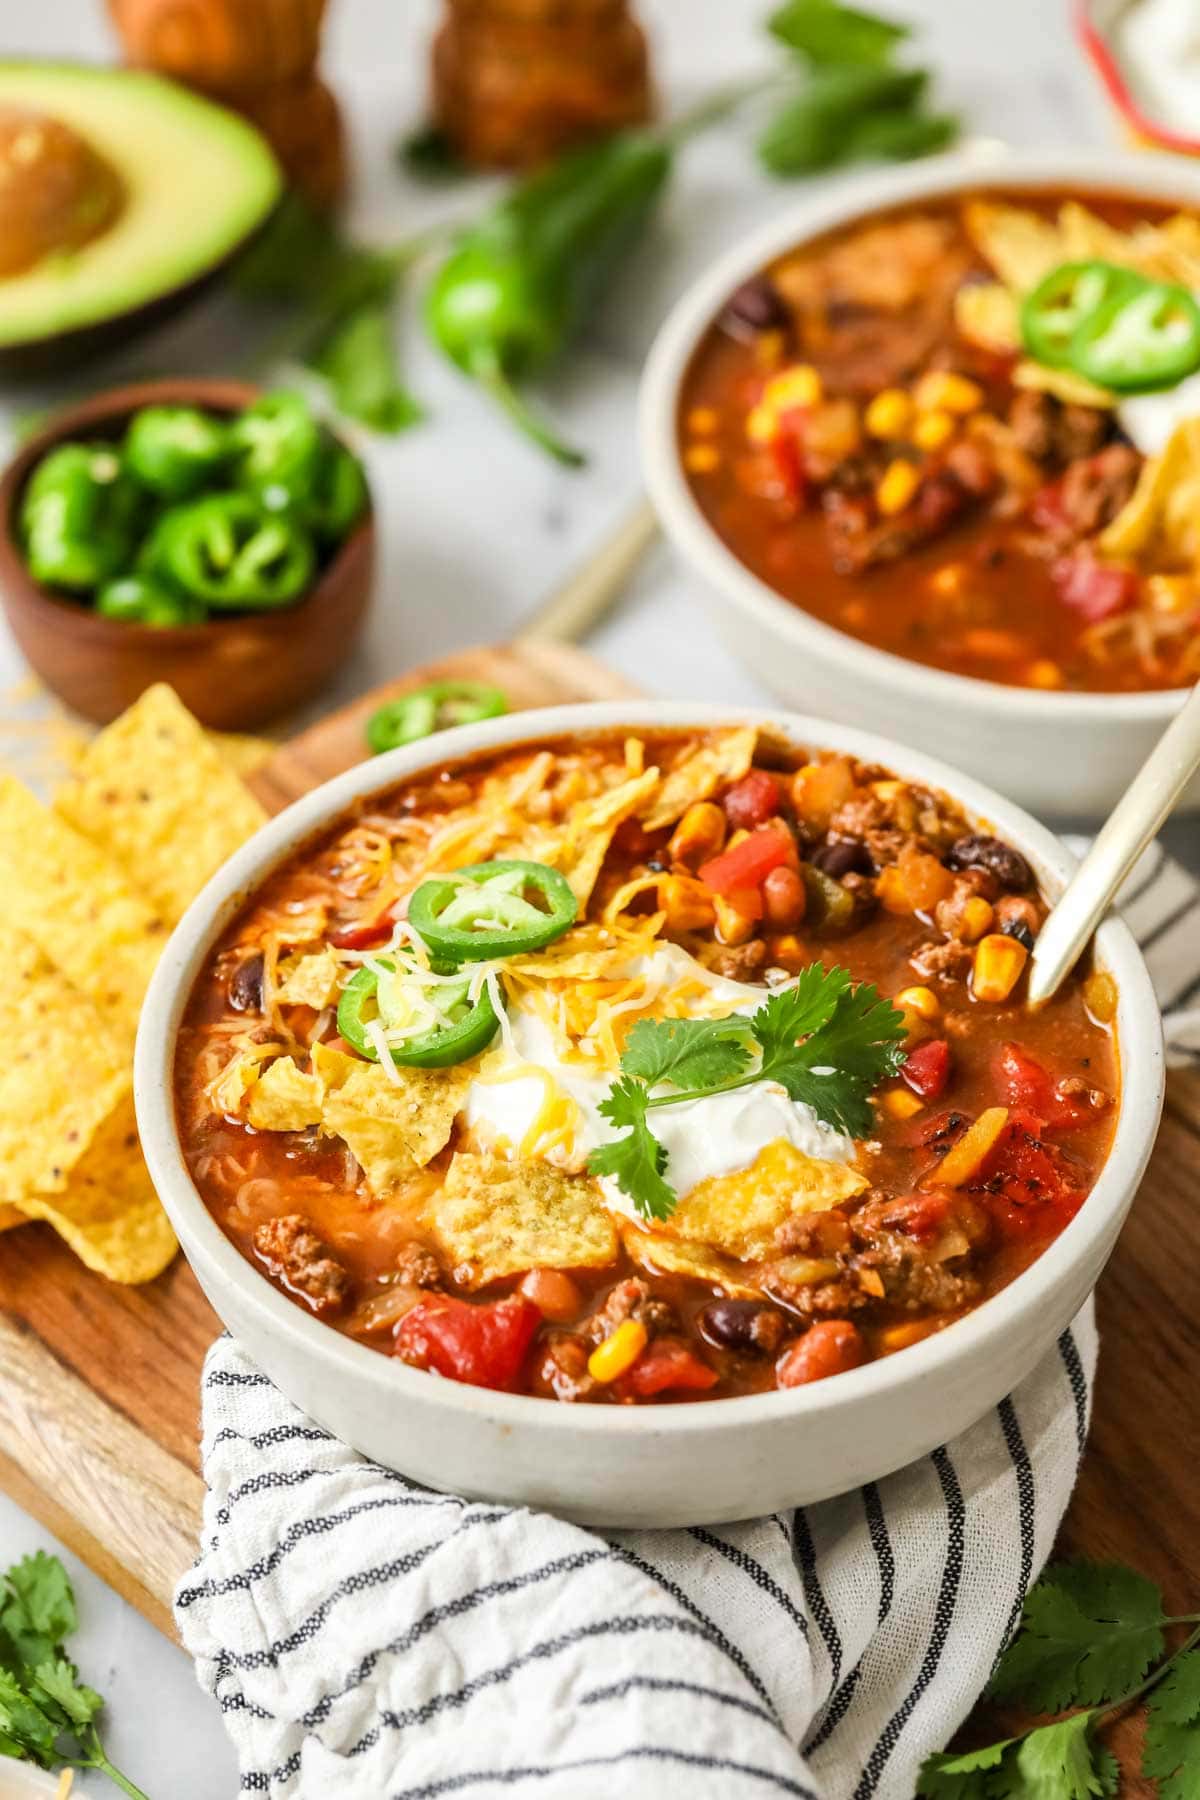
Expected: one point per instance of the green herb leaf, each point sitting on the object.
(965, 1775)
(1060, 1762)
(636, 1161)
(902, 136)
(836, 1068)
(828, 33)
(1090, 1632)
(23, 1723)
(38, 1607)
(358, 360)
(58, 1681)
(691, 1053)
(815, 129)
(1171, 1753)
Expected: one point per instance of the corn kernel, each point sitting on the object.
(1171, 595)
(921, 1000)
(888, 413)
(762, 423)
(977, 917)
(899, 1337)
(798, 386)
(897, 486)
(699, 834)
(932, 430)
(737, 837)
(871, 1282)
(901, 1103)
(703, 420)
(999, 961)
(769, 348)
(1045, 674)
(686, 903)
(701, 459)
(733, 925)
(1100, 997)
(887, 790)
(618, 1352)
(944, 391)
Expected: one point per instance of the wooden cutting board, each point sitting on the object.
(99, 1397)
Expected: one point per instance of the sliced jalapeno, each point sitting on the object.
(369, 997)
(1067, 297)
(1149, 338)
(139, 600)
(175, 450)
(434, 708)
(486, 910)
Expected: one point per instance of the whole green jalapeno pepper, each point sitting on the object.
(175, 450)
(77, 517)
(278, 447)
(140, 600)
(224, 551)
(523, 279)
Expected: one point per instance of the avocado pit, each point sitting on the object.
(57, 192)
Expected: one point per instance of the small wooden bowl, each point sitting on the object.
(234, 674)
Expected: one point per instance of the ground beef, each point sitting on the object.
(565, 1369)
(1074, 1087)
(419, 1267)
(737, 962)
(912, 1279)
(942, 962)
(1031, 419)
(1095, 488)
(630, 1299)
(1054, 434)
(297, 1257)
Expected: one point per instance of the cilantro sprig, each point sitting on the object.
(47, 1715)
(826, 1042)
(1092, 1638)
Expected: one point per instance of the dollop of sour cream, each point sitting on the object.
(1149, 419)
(716, 1135)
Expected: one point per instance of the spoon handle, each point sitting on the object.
(1129, 828)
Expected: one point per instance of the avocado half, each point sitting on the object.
(194, 182)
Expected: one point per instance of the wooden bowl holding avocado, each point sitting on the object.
(197, 532)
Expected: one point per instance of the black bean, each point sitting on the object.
(246, 986)
(758, 306)
(1017, 928)
(977, 851)
(842, 856)
(742, 1325)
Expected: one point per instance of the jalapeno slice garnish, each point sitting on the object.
(1149, 338)
(1064, 300)
(434, 708)
(370, 996)
(486, 910)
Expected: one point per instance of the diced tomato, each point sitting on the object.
(1026, 1183)
(829, 1347)
(787, 456)
(665, 1363)
(482, 1343)
(363, 937)
(1093, 589)
(747, 864)
(752, 800)
(927, 1068)
(1047, 509)
(1024, 1083)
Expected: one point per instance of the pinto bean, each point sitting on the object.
(829, 1347)
(784, 898)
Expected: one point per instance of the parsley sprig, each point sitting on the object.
(1092, 1637)
(827, 1042)
(47, 1715)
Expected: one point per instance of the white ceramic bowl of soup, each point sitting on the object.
(1060, 753)
(666, 1464)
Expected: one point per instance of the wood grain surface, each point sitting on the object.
(99, 1402)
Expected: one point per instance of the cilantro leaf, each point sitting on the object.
(961, 1775)
(1171, 1753)
(690, 1053)
(636, 1161)
(37, 1609)
(1090, 1632)
(358, 360)
(1060, 1762)
(23, 1722)
(59, 1682)
(836, 1068)
(826, 33)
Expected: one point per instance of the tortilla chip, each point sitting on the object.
(986, 313)
(228, 1090)
(1021, 245)
(11, 1216)
(153, 792)
(1160, 522)
(739, 1214)
(662, 1255)
(108, 1213)
(242, 753)
(1063, 384)
(494, 1218)
(284, 1098)
(77, 906)
(314, 981)
(62, 1073)
(391, 1126)
(725, 756)
(591, 827)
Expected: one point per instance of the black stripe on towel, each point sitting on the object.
(1175, 917)
(839, 1701)
(952, 1570)
(1026, 1511)
(750, 1566)
(660, 1684)
(1069, 1352)
(453, 1784)
(814, 1594)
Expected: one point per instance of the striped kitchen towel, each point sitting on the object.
(368, 1639)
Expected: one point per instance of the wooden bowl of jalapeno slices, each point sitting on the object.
(193, 531)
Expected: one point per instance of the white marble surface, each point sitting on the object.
(475, 526)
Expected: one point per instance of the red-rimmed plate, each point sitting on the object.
(1095, 26)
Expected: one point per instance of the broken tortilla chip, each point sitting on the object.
(986, 314)
(240, 751)
(314, 981)
(1062, 384)
(62, 1073)
(153, 792)
(392, 1125)
(591, 827)
(1160, 522)
(724, 756)
(76, 904)
(662, 1255)
(108, 1213)
(494, 1218)
(1020, 244)
(284, 1098)
(739, 1214)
